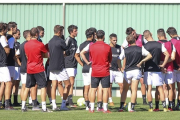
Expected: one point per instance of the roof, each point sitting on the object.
(90, 1)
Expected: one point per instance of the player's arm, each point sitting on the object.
(67, 44)
(110, 55)
(5, 45)
(173, 54)
(147, 55)
(45, 53)
(16, 57)
(82, 54)
(166, 54)
(120, 58)
(77, 56)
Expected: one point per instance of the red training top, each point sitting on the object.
(101, 56)
(33, 50)
(176, 43)
(168, 46)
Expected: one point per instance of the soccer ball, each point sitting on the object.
(81, 102)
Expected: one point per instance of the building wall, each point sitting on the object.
(112, 18)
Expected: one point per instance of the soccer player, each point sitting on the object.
(41, 33)
(58, 72)
(133, 60)
(152, 69)
(115, 69)
(168, 70)
(17, 70)
(175, 40)
(35, 51)
(4, 71)
(12, 27)
(100, 68)
(86, 73)
(140, 41)
(23, 64)
(70, 61)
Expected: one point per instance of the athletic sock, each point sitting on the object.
(7, 103)
(100, 104)
(34, 103)
(121, 105)
(87, 103)
(178, 102)
(150, 105)
(70, 100)
(54, 103)
(0, 103)
(173, 103)
(62, 98)
(44, 105)
(23, 104)
(132, 106)
(30, 100)
(144, 98)
(63, 103)
(157, 105)
(105, 106)
(10, 102)
(15, 99)
(170, 104)
(50, 100)
(166, 99)
(92, 106)
(110, 99)
(164, 104)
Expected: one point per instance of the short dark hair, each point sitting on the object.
(25, 33)
(112, 35)
(130, 39)
(71, 28)
(93, 29)
(146, 33)
(34, 31)
(2, 26)
(89, 33)
(129, 30)
(40, 28)
(11, 25)
(100, 34)
(58, 28)
(161, 32)
(171, 31)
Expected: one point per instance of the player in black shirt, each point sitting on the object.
(116, 75)
(17, 70)
(4, 72)
(152, 69)
(86, 68)
(133, 60)
(57, 69)
(23, 64)
(70, 61)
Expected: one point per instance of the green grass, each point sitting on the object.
(80, 113)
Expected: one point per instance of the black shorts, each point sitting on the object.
(105, 82)
(39, 78)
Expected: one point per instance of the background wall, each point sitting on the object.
(112, 18)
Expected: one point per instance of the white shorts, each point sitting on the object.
(153, 78)
(168, 77)
(59, 75)
(17, 73)
(71, 72)
(176, 76)
(116, 76)
(132, 75)
(23, 78)
(11, 71)
(4, 74)
(87, 77)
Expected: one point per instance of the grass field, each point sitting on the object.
(79, 113)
